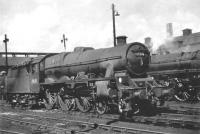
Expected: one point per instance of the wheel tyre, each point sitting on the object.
(183, 96)
(65, 103)
(83, 104)
(47, 104)
(49, 101)
(101, 107)
(136, 109)
(198, 95)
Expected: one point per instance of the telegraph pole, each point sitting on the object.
(5, 41)
(64, 41)
(114, 13)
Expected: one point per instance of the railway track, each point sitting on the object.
(171, 120)
(192, 117)
(41, 128)
(168, 121)
(175, 120)
(185, 110)
(89, 126)
(163, 119)
(9, 132)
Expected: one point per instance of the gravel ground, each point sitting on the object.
(7, 125)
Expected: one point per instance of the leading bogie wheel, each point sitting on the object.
(101, 107)
(182, 96)
(198, 95)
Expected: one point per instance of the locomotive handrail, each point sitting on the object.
(52, 83)
(87, 62)
(140, 50)
(77, 81)
(175, 61)
(173, 71)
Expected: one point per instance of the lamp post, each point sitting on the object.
(114, 13)
(5, 41)
(5, 88)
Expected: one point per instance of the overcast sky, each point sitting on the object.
(38, 25)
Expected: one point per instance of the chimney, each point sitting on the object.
(187, 32)
(169, 30)
(121, 40)
(148, 43)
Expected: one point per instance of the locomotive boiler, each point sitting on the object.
(85, 79)
(180, 71)
(102, 62)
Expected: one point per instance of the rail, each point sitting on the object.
(90, 125)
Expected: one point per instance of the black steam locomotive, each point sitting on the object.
(180, 71)
(85, 79)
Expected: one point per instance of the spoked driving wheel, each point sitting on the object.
(182, 96)
(50, 100)
(83, 104)
(101, 106)
(135, 109)
(66, 102)
(198, 95)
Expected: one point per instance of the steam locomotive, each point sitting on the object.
(101, 79)
(180, 71)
